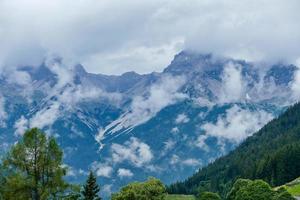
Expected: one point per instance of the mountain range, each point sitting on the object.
(129, 127)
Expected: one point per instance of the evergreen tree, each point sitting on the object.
(91, 188)
(33, 168)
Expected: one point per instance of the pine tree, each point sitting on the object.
(91, 188)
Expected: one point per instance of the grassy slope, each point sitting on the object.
(293, 187)
(180, 197)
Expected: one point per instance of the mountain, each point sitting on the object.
(132, 126)
(272, 154)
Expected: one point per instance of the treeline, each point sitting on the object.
(272, 154)
(243, 189)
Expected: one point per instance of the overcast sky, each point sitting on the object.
(115, 36)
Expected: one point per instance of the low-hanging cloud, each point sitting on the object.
(232, 88)
(237, 124)
(113, 36)
(134, 151)
(124, 173)
(161, 94)
(295, 85)
(21, 125)
(3, 114)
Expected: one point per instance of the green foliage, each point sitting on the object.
(33, 169)
(271, 154)
(91, 188)
(209, 196)
(255, 190)
(180, 197)
(283, 194)
(152, 189)
(244, 189)
(238, 185)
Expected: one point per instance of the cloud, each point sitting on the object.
(21, 125)
(232, 89)
(168, 145)
(143, 108)
(124, 173)
(175, 130)
(102, 169)
(201, 142)
(144, 35)
(191, 162)
(133, 150)
(46, 116)
(18, 77)
(295, 85)
(182, 118)
(237, 124)
(3, 114)
(175, 159)
(65, 95)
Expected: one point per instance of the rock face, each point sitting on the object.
(133, 126)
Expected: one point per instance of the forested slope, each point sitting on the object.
(272, 154)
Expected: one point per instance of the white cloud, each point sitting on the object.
(64, 75)
(3, 114)
(191, 162)
(21, 125)
(237, 124)
(143, 35)
(102, 170)
(232, 89)
(143, 59)
(134, 151)
(124, 173)
(169, 145)
(295, 85)
(182, 118)
(143, 108)
(45, 117)
(200, 142)
(65, 95)
(175, 130)
(18, 77)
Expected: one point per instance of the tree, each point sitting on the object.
(209, 196)
(244, 189)
(255, 190)
(238, 185)
(153, 189)
(91, 188)
(33, 168)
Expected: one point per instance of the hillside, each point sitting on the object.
(272, 154)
